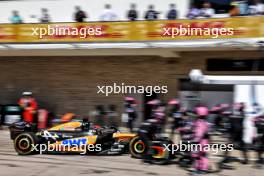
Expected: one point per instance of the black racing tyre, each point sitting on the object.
(24, 143)
(159, 155)
(137, 147)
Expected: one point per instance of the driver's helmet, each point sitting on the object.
(86, 125)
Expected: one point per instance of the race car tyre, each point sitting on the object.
(159, 154)
(137, 147)
(24, 143)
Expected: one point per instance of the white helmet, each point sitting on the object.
(27, 93)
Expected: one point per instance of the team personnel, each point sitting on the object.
(29, 105)
(175, 114)
(259, 140)
(130, 111)
(235, 135)
(201, 136)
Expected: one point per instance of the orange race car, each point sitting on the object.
(72, 137)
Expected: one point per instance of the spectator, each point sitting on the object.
(108, 14)
(207, 11)
(45, 18)
(235, 10)
(79, 15)
(257, 8)
(243, 7)
(172, 14)
(132, 14)
(16, 18)
(193, 12)
(151, 14)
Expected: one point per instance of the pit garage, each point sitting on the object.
(66, 80)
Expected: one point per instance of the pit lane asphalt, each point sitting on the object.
(12, 164)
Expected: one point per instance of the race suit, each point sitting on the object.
(177, 118)
(201, 137)
(29, 106)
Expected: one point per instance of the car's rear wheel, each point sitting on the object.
(25, 143)
(137, 147)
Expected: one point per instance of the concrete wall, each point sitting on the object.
(69, 84)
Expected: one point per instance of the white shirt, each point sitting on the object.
(207, 12)
(256, 9)
(108, 15)
(260, 8)
(250, 130)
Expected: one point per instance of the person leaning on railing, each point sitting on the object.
(193, 12)
(207, 11)
(79, 15)
(16, 18)
(172, 13)
(151, 13)
(132, 14)
(257, 8)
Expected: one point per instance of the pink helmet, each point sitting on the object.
(202, 111)
(173, 102)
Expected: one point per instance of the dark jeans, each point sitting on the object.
(130, 124)
(260, 148)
